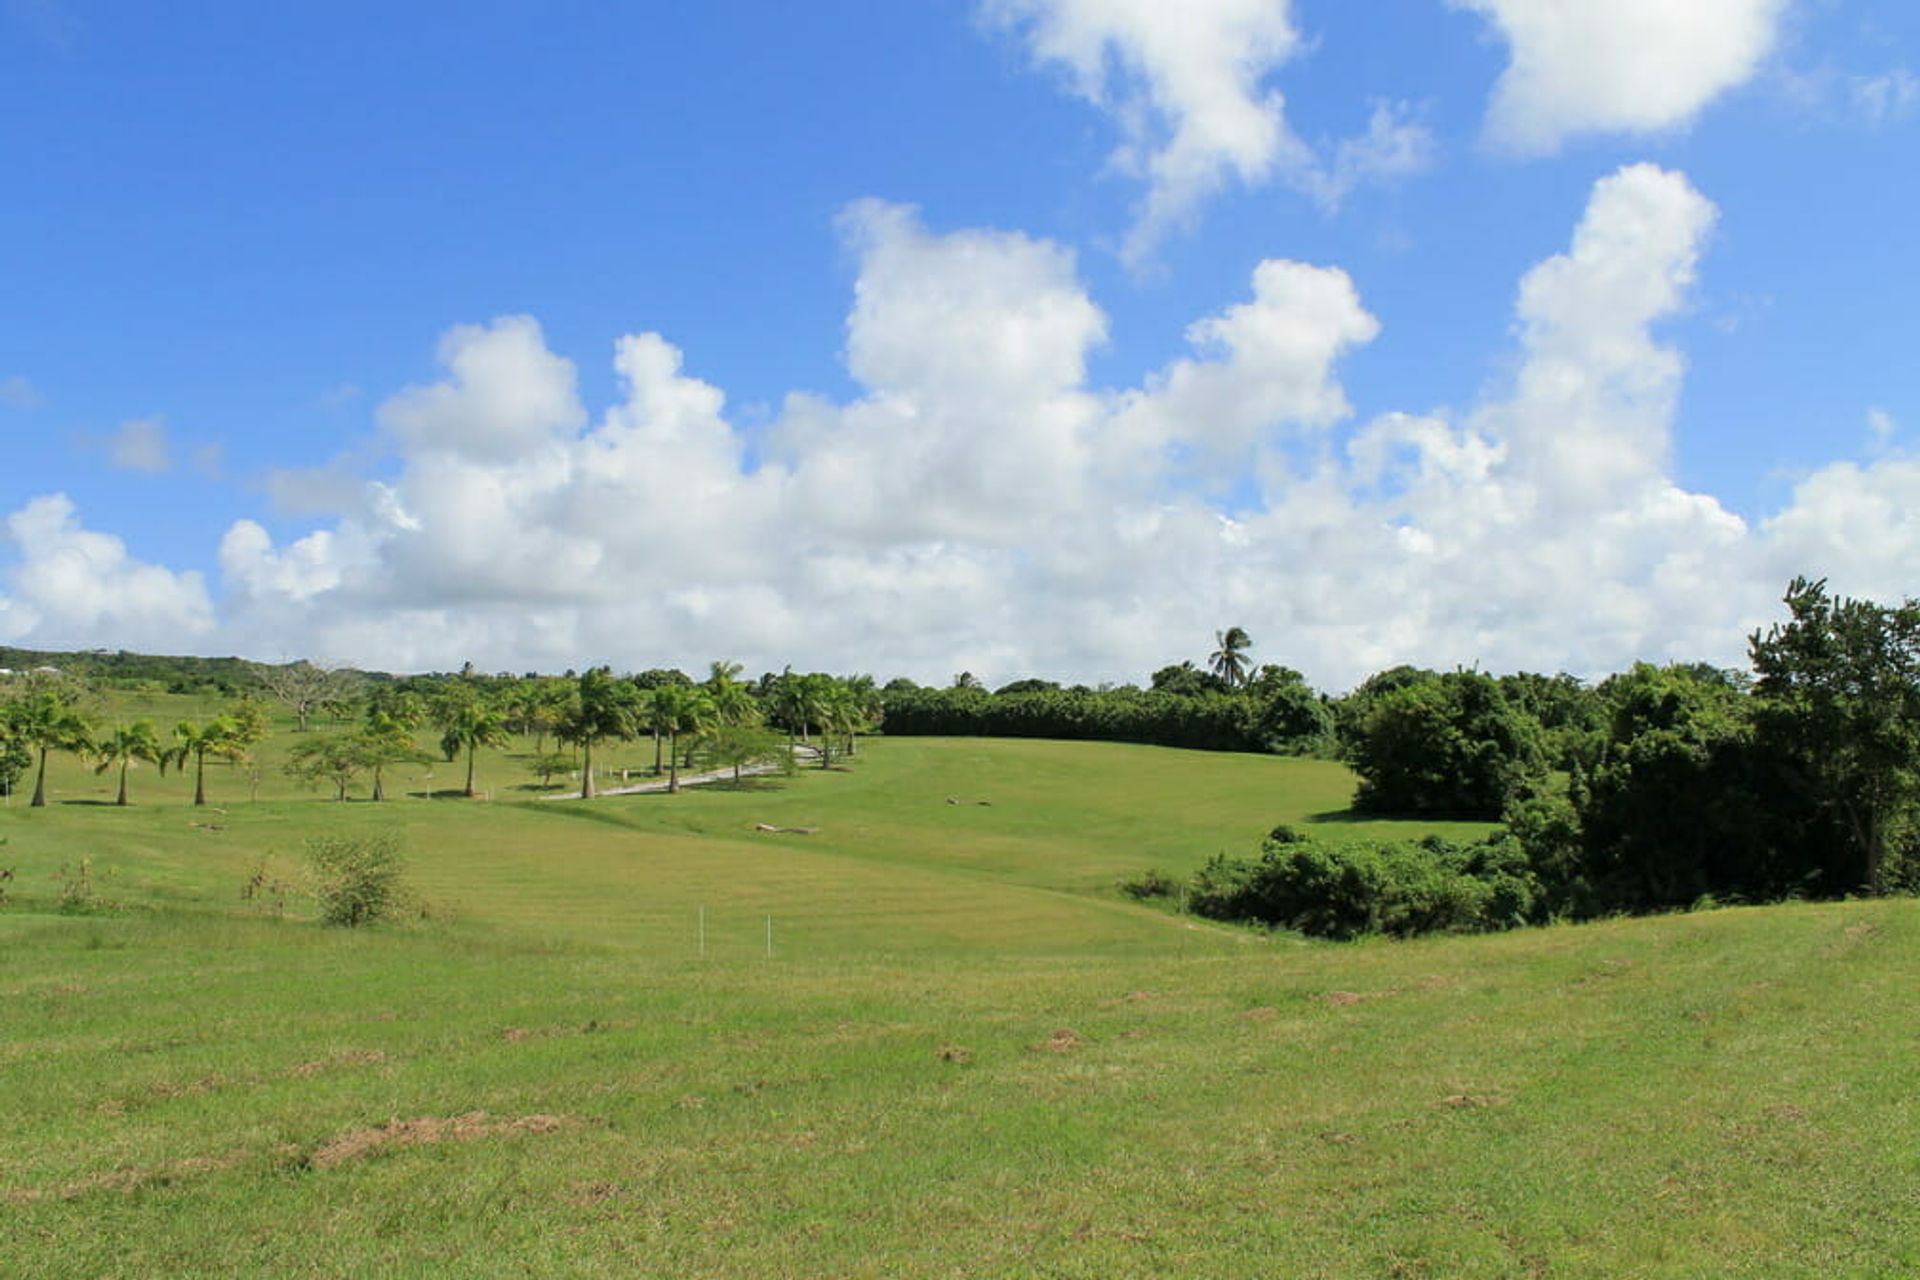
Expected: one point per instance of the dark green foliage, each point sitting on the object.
(138, 672)
(1447, 745)
(1671, 810)
(1838, 722)
(1376, 887)
(1188, 680)
(356, 879)
(15, 758)
(1571, 714)
(1287, 718)
(1152, 883)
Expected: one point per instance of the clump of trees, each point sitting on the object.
(1227, 707)
(1656, 789)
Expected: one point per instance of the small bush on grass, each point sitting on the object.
(1154, 883)
(356, 879)
(1349, 890)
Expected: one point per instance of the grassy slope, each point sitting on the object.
(1727, 1093)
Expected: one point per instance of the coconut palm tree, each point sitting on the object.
(470, 722)
(47, 722)
(600, 708)
(126, 744)
(1229, 661)
(220, 737)
(732, 703)
(674, 710)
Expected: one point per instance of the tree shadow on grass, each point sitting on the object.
(730, 784)
(1337, 817)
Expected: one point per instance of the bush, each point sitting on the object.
(1349, 890)
(1150, 884)
(356, 879)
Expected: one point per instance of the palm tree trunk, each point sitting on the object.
(586, 771)
(656, 753)
(200, 779)
(379, 788)
(122, 801)
(673, 764)
(473, 749)
(40, 784)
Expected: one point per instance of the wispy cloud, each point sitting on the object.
(16, 392)
(141, 445)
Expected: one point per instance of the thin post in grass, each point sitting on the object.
(769, 937)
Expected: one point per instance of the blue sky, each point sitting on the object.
(983, 241)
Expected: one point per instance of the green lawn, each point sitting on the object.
(968, 1055)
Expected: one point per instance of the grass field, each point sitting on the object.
(967, 1055)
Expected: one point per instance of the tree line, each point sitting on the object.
(374, 726)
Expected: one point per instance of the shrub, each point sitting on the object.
(356, 879)
(1153, 883)
(1349, 890)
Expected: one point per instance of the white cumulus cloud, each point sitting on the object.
(1618, 66)
(979, 504)
(1187, 84)
(74, 587)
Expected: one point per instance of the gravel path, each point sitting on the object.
(686, 779)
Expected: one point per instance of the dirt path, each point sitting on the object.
(686, 779)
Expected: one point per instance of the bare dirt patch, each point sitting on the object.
(350, 1058)
(1132, 997)
(357, 1144)
(1472, 1101)
(956, 1054)
(1065, 1040)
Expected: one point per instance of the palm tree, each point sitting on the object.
(674, 710)
(219, 737)
(826, 704)
(600, 708)
(137, 741)
(47, 723)
(733, 705)
(470, 722)
(1229, 661)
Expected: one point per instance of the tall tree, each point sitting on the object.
(305, 687)
(47, 722)
(219, 737)
(601, 708)
(733, 704)
(126, 744)
(673, 710)
(338, 758)
(1839, 715)
(469, 721)
(1229, 659)
(384, 741)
